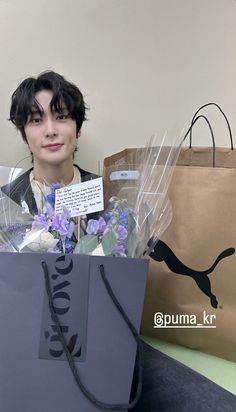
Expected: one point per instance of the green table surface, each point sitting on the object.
(220, 371)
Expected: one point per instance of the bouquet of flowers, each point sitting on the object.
(137, 209)
(44, 232)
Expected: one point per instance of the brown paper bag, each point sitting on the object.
(193, 275)
(191, 290)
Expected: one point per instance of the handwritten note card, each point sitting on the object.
(81, 199)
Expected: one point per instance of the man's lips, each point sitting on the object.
(53, 146)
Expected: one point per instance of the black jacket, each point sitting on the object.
(20, 189)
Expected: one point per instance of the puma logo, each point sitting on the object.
(162, 252)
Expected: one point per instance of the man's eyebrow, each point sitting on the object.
(35, 111)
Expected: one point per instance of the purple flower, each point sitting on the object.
(107, 229)
(40, 222)
(65, 214)
(124, 214)
(14, 228)
(96, 226)
(122, 232)
(50, 210)
(101, 225)
(108, 216)
(124, 218)
(54, 250)
(51, 197)
(55, 186)
(68, 246)
(92, 227)
(119, 250)
(61, 224)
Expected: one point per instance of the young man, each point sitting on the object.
(49, 112)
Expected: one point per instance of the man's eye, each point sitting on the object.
(36, 120)
(62, 116)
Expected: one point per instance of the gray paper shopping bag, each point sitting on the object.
(34, 374)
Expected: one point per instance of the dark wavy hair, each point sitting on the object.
(24, 104)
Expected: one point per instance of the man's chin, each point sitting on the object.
(56, 160)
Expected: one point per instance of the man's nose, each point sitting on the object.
(50, 128)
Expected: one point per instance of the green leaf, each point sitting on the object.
(108, 243)
(131, 246)
(86, 244)
(131, 222)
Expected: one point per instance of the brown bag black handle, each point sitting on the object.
(196, 117)
(225, 117)
(212, 135)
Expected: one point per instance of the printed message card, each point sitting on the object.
(81, 199)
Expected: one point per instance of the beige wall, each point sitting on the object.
(143, 65)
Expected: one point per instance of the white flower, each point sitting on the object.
(39, 241)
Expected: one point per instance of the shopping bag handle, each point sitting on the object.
(70, 359)
(226, 119)
(201, 116)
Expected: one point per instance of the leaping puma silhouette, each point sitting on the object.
(162, 252)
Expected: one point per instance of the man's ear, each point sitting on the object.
(78, 134)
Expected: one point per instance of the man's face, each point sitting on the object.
(52, 137)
